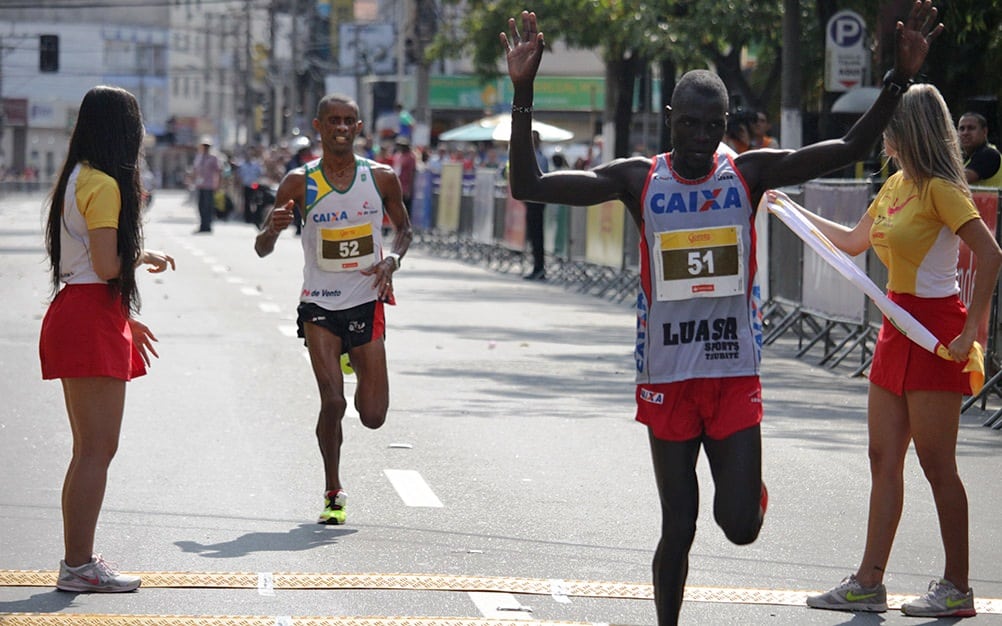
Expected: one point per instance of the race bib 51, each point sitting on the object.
(699, 263)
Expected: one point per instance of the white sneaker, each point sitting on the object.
(849, 595)
(96, 576)
(942, 600)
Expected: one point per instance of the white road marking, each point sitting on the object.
(558, 591)
(500, 606)
(234, 280)
(265, 584)
(250, 291)
(269, 307)
(290, 331)
(412, 489)
(220, 269)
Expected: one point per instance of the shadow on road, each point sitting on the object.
(50, 601)
(302, 537)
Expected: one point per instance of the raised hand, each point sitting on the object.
(524, 50)
(281, 217)
(913, 38)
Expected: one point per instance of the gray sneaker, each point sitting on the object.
(942, 600)
(96, 576)
(851, 596)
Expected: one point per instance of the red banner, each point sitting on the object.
(987, 203)
(15, 112)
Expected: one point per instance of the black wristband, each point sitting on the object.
(895, 87)
(518, 109)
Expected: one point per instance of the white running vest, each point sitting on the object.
(342, 234)
(698, 314)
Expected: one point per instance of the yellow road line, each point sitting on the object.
(70, 619)
(419, 582)
(437, 582)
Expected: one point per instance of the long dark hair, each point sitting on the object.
(108, 135)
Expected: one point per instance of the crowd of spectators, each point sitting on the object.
(252, 166)
(28, 174)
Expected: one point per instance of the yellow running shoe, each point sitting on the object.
(333, 512)
(346, 367)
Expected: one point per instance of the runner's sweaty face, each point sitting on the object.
(697, 121)
(338, 125)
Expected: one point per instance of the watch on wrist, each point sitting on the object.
(895, 87)
(395, 258)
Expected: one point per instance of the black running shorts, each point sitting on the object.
(355, 326)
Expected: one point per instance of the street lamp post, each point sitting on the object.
(3, 111)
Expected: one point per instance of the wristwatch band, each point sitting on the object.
(896, 88)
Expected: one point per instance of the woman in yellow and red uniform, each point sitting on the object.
(915, 225)
(89, 337)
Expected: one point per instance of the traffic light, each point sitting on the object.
(48, 53)
(411, 50)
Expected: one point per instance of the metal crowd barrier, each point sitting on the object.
(13, 187)
(471, 217)
(809, 297)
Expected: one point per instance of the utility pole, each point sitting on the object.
(207, 69)
(425, 27)
(4, 46)
(271, 98)
(238, 80)
(245, 81)
(791, 123)
(3, 110)
(400, 21)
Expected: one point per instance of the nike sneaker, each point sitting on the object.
(942, 600)
(346, 367)
(96, 576)
(849, 595)
(333, 512)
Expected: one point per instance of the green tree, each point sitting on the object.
(578, 23)
(632, 34)
(679, 35)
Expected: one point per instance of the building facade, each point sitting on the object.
(242, 72)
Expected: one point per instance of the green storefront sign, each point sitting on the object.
(555, 93)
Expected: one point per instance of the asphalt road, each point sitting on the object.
(510, 478)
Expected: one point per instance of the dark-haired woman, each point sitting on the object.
(89, 338)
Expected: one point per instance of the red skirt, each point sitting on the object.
(900, 364)
(86, 333)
